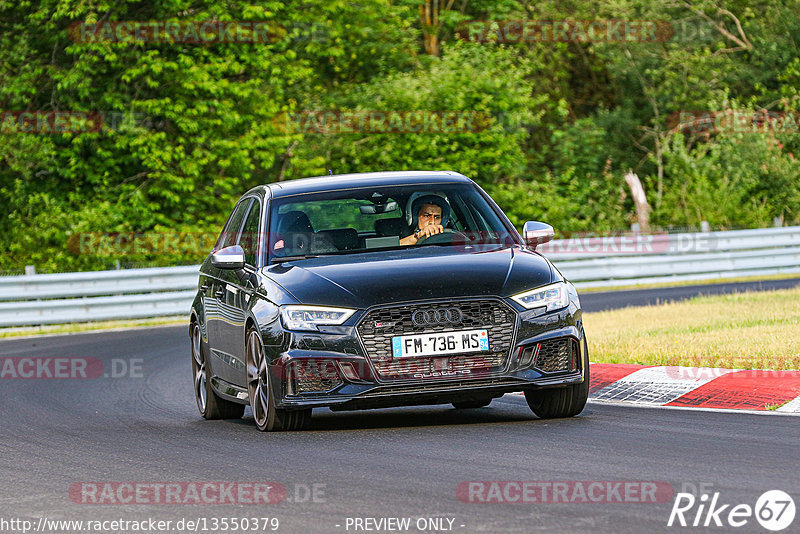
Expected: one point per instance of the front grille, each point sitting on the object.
(557, 355)
(378, 327)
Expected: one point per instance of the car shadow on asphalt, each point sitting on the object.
(500, 411)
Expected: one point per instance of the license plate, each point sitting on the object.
(440, 343)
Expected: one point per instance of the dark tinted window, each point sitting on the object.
(231, 231)
(250, 233)
(373, 218)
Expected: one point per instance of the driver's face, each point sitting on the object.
(429, 214)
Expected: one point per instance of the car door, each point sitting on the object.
(238, 287)
(218, 311)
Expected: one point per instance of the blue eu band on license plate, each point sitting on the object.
(440, 343)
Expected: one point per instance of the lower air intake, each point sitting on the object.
(557, 355)
(312, 376)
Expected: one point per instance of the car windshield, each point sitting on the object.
(380, 218)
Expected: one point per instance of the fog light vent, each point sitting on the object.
(312, 376)
(349, 371)
(557, 355)
(526, 355)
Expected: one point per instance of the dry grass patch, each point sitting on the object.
(757, 330)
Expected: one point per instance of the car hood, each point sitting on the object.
(369, 279)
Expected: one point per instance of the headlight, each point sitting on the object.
(554, 297)
(309, 317)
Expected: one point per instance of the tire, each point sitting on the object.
(561, 402)
(210, 405)
(467, 405)
(268, 418)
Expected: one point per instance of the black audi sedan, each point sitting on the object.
(379, 290)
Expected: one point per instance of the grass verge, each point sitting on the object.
(90, 327)
(774, 407)
(756, 330)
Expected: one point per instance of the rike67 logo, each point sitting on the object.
(774, 510)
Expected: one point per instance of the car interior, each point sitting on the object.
(363, 222)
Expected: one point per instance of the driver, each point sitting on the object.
(430, 215)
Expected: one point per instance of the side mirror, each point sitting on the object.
(537, 233)
(228, 258)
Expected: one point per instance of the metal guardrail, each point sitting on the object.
(93, 283)
(643, 259)
(41, 299)
(588, 262)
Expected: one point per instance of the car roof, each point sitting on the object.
(366, 179)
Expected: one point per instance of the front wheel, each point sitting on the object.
(262, 401)
(561, 402)
(210, 405)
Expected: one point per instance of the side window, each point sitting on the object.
(231, 230)
(250, 233)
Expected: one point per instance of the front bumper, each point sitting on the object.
(353, 382)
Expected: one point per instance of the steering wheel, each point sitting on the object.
(448, 236)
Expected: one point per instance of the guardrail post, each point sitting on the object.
(30, 269)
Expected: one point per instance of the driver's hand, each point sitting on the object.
(430, 230)
(423, 234)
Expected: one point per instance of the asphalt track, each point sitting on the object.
(408, 462)
(610, 300)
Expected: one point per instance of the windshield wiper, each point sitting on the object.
(283, 259)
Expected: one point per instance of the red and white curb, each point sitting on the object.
(696, 387)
